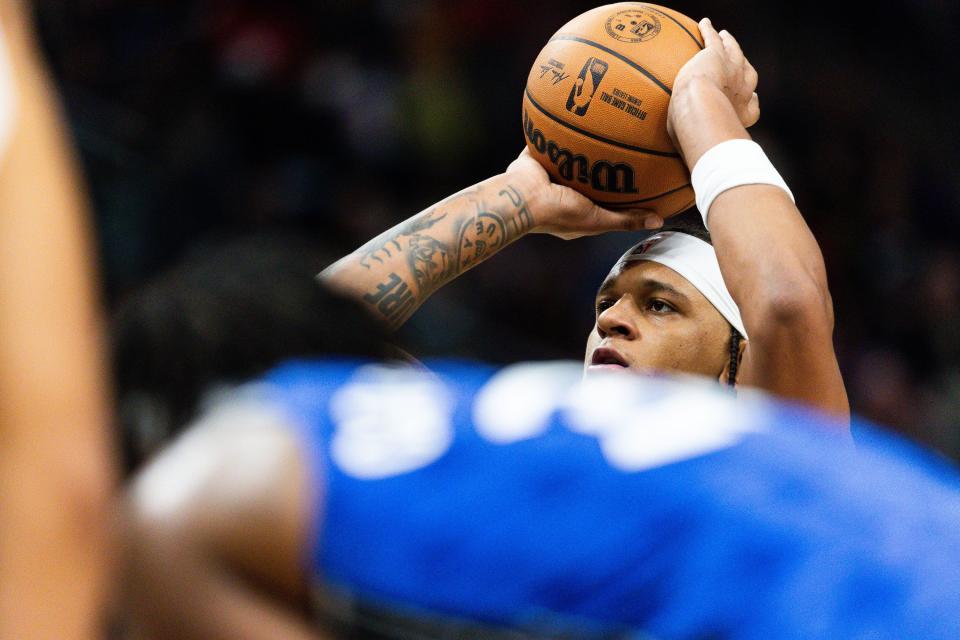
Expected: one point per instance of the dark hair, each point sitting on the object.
(224, 315)
(735, 339)
(691, 224)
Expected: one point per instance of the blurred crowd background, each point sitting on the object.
(330, 121)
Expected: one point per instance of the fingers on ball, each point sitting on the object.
(732, 47)
(710, 36)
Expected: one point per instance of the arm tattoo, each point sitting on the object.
(393, 299)
(488, 231)
(522, 220)
(382, 244)
(480, 235)
(475, 226)
(429, 259)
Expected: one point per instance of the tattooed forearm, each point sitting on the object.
(480, 236)
(373, 253)
(522, 220)
(489, 230)
(393, 299)
(396, 271)
(381, 246)
(429, 259)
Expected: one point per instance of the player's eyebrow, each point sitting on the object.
(656, 286)
(648, 285)
(605, 286)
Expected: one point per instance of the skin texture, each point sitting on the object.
(236, 544)
(55, 467)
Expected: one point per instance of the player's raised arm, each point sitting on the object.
(770, 261)
(398, 270)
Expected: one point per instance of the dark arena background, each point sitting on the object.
(331, 121)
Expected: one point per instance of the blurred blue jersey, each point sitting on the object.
(616, 506)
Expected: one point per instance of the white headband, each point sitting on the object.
(696, 261)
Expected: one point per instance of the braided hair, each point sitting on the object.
(735, 339)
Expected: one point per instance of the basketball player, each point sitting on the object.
(464, 504)
(672, 303)
(55, 471)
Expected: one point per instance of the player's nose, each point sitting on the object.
(618, 320)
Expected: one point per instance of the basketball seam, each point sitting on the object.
(614, 143)
(642, 200)
(670, 17)
(622, 57)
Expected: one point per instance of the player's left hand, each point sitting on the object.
(560, 211)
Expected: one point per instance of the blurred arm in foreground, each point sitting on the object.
(55, 469)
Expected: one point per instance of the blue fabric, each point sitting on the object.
(784, 530)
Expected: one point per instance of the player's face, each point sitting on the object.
(650, 318)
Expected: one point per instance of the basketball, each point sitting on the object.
(595, 106)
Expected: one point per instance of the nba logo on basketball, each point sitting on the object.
(581, 94)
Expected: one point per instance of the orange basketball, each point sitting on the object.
(595, 106)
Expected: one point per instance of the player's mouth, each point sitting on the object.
(607, 359)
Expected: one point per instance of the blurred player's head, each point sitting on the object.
(224, 316)
(664, 307)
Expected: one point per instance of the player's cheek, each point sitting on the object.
(593, 339)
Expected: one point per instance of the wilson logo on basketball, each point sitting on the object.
(583, 90)
(602, 175)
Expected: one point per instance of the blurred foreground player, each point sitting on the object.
(55, 471)
(349, 499)
(227, 313)
(671, 303)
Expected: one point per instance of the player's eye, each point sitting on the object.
(603, 304)
(660, 306)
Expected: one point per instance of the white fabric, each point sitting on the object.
(730, 164)
(696, 261)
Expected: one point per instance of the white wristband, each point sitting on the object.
(730, 164)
